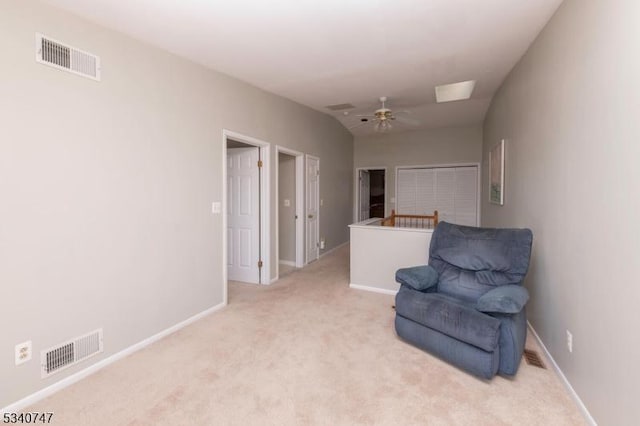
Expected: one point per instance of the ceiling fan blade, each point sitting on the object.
(364, 115)
(407, 120)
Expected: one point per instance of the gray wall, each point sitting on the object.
(451, 145)
(569, 112)
(105, 219)
(287, 214)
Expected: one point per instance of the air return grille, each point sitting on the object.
(71, 352)
(64, 57)
(340, 107)
(533, 358)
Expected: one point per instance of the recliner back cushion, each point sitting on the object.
(472, 261)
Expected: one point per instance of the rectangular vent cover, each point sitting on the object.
(533, 358)
(64, 57)
(71, 352)
(340, 107)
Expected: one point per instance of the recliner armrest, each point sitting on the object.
(506, 299)
(419, 278)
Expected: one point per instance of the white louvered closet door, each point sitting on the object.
(466, 196)
(406, 197)
(452, 191)
(425, 191)
(445, 194)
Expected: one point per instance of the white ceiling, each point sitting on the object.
(326, 52)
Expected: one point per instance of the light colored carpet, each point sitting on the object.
(285, 269)
(306, 350)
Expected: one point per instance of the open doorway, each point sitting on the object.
(246, 206)
(290, 202)
(371, 189)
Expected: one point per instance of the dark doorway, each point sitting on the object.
(376, 193)
(371, 193)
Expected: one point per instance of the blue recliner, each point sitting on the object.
(467, 306)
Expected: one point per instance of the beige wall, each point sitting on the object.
(287, 214)
(569, 112)
(105, 219)
(453, 145)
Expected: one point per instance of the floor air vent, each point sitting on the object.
(532, 358)
(64, 57)
(71, 352)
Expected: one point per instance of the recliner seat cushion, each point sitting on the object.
(449, 316)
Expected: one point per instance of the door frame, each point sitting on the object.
(299, 171)
(306, 255)
(356, 186)
(265, 205)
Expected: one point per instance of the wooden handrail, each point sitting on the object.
(411, 220)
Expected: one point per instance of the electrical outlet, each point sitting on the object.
(216, 207)
(23, 352)
(322, 244)
(569, 341)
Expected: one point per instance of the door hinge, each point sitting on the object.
(260, 163)
(259, 263)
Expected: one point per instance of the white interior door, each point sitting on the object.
(243, 215)
(312, 207)
(365, 194)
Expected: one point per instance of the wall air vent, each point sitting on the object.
(533, 358)
(64, 57)
(71, 352)
(339, 107)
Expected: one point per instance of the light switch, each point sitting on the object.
(321, 202)
(216, 207)
(287, 203)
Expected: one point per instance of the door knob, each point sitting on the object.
(310, 216)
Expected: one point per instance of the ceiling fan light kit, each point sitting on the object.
(383, 126)
(382, 118)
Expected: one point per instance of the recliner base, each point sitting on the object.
(467, 357)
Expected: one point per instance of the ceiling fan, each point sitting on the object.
(383, 117)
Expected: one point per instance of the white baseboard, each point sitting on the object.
(287, 262)
(274, 279)
(573, 393)
(76, 377)
(333, 249)
(373, 289)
